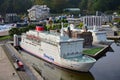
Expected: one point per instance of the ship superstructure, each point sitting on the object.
(57, 48)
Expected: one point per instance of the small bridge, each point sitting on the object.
(113, 37)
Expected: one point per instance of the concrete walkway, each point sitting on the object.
(7, 71)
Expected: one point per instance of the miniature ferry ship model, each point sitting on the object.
(56, 48)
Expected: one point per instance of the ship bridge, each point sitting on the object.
(50, 36)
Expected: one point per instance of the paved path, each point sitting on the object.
(6, 68)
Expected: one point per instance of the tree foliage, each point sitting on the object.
(14, 6)
(57, 6)
(14, 31)
(21, 30)
(90, 6)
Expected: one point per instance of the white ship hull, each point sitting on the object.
(72, 65)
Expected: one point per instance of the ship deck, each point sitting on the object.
(81, 58)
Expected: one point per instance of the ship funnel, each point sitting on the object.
(39, 28)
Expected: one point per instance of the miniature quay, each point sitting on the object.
(57, 44)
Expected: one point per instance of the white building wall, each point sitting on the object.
(38, 11)
(99, 37)
(91, 21)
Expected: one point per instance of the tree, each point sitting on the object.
(4, 6)
(83, 6)
(14, 31)
(106, 5)
(14, 6)
(73, 3)
(58, 5)
(80, 25)
(39, 2)
(90, 8)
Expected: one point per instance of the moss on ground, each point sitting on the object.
(5, 37)
(92, 51)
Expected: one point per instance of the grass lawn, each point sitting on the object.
(5, 37)
(92, 51)
(118, 33)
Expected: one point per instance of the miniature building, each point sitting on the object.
(72, 11)
(87, 36)
(38, 12)
(75, 21)
(91, 21)
(11, 17)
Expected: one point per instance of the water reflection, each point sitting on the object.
(51, 72)
(108, 67)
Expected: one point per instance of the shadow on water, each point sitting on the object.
(108, 67)
(51, 72)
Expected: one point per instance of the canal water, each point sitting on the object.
(106, 68)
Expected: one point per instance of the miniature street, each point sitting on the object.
(8, 68)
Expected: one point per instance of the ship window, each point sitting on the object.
(72, 52)
(76, 52)
(68, 43)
